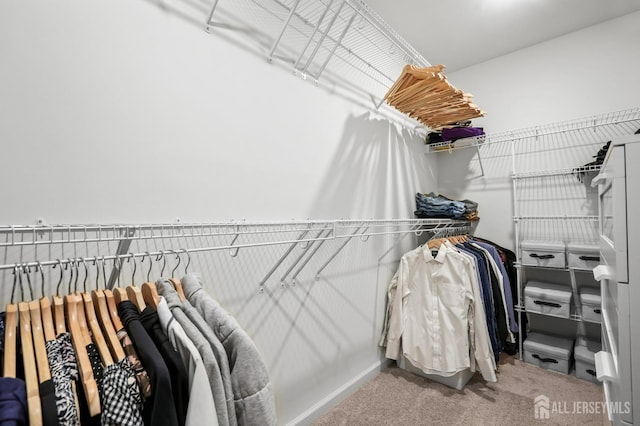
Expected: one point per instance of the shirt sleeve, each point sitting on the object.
(399, 288)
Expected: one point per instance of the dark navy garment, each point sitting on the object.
(487, 298)
(513, 325)
(13, 402)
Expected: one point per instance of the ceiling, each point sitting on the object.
(461, 33)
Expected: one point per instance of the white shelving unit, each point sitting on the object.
(549, 205)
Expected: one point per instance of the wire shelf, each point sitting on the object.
(30, 235)
(342, 42)
(559, 217)
(558, 172)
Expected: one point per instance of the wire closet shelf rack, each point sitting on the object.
(343, 43)
(187, 238)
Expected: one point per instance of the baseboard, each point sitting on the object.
(331, 400)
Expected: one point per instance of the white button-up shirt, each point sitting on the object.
(432, 315)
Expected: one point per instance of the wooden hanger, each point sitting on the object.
(426, 95)
(178, 286)
(73, 303)
(113, 309)
(96, 331)
(133, 292)
(11, 331)
(10, 334)
(100, 303)
(120, 294)
(149, 290)
(47, 319)
(150, 294)
(30, 367)
(39, 346)
(45, 314)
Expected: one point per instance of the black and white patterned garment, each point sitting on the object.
(121, 399)
(96, 364)
(64, 371)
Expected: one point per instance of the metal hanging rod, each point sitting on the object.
(557, 172)
(24, 235)
(329, 230)
(568, 217)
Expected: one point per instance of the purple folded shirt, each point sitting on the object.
(461, 132)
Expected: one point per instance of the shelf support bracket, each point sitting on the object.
(284, 28)
(335, 46)
(324, 35)
(333, 256)
(313, 252)
(282, 258)
(313, 34)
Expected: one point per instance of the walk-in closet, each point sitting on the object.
(331, 212)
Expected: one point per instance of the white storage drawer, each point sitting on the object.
(547, 298)
(547, 351)
(550, 254)
(591, 302)
(583, 256)
(584, 353)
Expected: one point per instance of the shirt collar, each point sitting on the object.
(428, 257)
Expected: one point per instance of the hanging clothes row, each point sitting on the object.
(164, 353)
(450, 307)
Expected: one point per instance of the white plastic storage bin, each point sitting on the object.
(547, 298)
(591, 304)
(584, 352)
(547, 351)
(550, 254)
(583, 256)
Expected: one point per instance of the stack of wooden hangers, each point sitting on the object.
(426, 95)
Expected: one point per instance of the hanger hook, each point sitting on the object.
(61, 276)
(186, 268)
(16, 276)
(95, 263)
(173, 271)
(148, 255)
(164, 263)
(104, 272)
(27, 271)
(118, 262)
(39, 268)
(76, 264)
(135, 267)
(86, 273)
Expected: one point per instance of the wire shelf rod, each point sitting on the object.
(557, 172)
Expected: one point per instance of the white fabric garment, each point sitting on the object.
(201, 404)
(482, 355)
(432, 311)
(498, 274)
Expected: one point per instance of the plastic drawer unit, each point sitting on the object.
(547, 298)
(584, 353)
(591, 304)
(548, 254)
(547, 351)
(583, 256)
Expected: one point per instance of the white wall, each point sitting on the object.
(129, 112)
(584, 73)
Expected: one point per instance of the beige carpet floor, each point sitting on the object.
(397, 397)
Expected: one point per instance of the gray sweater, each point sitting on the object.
(165, 288)
(254, 400)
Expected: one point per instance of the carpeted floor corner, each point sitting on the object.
(397, 397)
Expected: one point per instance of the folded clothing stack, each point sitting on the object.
(452, 134)
(439, 206)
